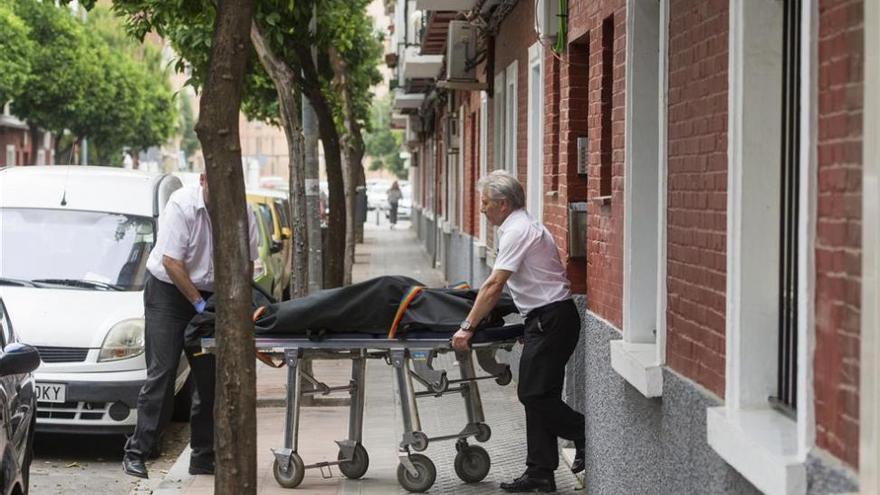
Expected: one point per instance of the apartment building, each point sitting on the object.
(709, 172)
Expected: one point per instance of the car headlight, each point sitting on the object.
(124, 340)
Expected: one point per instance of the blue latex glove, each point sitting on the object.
(200, 305)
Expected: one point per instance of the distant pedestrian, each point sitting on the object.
(394, 196)
(528, 263)
(180, 278)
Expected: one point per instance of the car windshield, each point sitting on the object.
(75, 249)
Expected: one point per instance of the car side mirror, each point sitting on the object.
(18, 358)
(275, 247)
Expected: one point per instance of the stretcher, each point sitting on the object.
(412, 358)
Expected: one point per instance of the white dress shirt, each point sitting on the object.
(185, 235)
(526, 248)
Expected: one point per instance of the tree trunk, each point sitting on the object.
(34, 132)
(235, 407)
(284, 78)
(357, 157)
(335, 254)
(348, 177)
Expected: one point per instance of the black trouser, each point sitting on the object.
(167, 314)
(551, 335)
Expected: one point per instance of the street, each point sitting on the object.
(92, 463)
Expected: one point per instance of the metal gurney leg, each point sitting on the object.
(416, 472)
(353, 457)
(288, 467)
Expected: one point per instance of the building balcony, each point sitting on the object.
(445, 4)
(407, 101)
(418, 66)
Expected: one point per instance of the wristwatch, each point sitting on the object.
(465, 325)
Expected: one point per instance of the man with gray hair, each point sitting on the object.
(528, 263)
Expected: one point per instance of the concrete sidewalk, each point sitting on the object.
(384, 252)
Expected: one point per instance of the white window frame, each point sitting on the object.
(640, 355)
(869, 427)
(511, 93)
(765, 446)
(498, 121)
(10, 155)
(484, 166)
(535, 134)
(459, 182)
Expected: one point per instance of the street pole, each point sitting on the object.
(85, 152)
(313, 190)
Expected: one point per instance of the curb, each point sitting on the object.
(568, 456)
(178, 478)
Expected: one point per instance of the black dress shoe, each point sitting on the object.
(579, 463)
(134, 467)
(201, 467)
(528, 483)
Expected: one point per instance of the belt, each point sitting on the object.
(547, 307)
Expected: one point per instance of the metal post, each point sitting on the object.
(291, 421)
(85, 152)
(408, 407)
(471, 394)
(356, 411)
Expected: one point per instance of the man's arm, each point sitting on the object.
(487, 298)
(177, 273)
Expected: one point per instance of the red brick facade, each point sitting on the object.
(594, 79)
(839, 227)
(697, 190)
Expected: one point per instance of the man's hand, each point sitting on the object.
(461, 340)
(199, 305)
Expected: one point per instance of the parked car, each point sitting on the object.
(273, 208)
(75, 245)
(18, 401)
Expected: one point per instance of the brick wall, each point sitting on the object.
(588, 76)
(838, 229)
(697, 190)
(16, 138)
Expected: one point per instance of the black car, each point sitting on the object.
(18, 408)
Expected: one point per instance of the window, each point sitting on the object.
(763, 170)
(606, 145)
(498, 122)
(484, 127)
(535, 169)
(510, 96)
(640, 355)
(10, 155)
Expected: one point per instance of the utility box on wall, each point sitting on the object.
(577, 230)
(582, 156)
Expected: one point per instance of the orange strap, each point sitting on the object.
(401, 309)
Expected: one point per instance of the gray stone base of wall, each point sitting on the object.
(658, 446)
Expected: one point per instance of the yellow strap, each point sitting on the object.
(401, 309)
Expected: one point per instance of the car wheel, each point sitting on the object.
(183, 401)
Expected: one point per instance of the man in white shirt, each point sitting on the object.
(528, 262)
(180, 279)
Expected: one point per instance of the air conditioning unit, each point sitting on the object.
(461, 50)
(547, 19)
(415, 124)
(450, 133)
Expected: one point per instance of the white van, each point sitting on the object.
(73, 253)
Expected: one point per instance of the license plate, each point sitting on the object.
(51, 392)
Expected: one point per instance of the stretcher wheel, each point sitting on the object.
(504, 378)
(484, 433)
(420, 441)
(357, 466)
(294, 474)
(422, 481)
(472, 464)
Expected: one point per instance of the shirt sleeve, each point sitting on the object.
(513, 245)
(252, 234)
(173, 238)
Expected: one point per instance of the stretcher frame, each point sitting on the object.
(412, 359)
